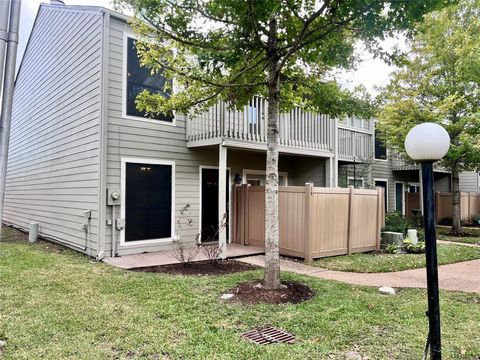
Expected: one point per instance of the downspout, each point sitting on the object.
(4, 7)
(102, 146)
(7, 96)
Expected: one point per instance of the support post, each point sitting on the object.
(350, 220)
(431, 260)
(329, 175)
(309, 223)
(421, 189)
(222, 199)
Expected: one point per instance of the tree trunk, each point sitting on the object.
(272, 238)
(456, 216)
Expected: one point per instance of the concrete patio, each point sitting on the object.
(159, 258)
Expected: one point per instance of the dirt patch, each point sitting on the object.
(200, 268)
(14, 235)
(253, 292)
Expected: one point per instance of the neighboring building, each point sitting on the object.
(98, 176)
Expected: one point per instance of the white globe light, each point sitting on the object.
(427, 141)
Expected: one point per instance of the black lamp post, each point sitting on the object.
(426, 143)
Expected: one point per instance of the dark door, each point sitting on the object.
(210, 219)
(148, 202)
(399, 197)
(382, 183)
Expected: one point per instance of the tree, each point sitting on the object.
(440, 83)
(280, 49)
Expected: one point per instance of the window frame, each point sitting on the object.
(356, 179)
(123, 189)
(126, 36)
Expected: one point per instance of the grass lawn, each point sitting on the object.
(372, 263)
(472, 235)
(59, 305)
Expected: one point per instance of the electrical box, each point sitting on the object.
(113, 197)
(120, 224)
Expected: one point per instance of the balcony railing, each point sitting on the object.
(298, 129)
(354, 144)
(400, 163)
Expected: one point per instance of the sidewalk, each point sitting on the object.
(463, 276)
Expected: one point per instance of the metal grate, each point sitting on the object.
(269, 335)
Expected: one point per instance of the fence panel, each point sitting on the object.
(313, 222)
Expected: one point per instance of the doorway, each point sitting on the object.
(384, 184)
(209, 204)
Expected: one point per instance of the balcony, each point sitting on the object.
(399, 163)
(354, 144)
(300, 132)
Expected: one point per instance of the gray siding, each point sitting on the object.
(53, 166)
(469, 181)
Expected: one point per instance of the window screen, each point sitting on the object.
(148, 202)
(139, 78)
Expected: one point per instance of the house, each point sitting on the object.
(101, 178)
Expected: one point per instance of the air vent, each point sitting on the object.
(269, 335)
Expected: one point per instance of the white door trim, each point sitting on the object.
(403, 195)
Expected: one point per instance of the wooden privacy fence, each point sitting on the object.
(313, 222)
(469, 205)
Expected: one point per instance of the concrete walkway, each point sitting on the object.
(464, 276)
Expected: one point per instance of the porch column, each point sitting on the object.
(329, 172)
(222, 200)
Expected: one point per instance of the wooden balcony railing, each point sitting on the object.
(400, 163)
(354, 144)
(299, 129)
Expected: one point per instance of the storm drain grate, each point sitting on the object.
(269, 335)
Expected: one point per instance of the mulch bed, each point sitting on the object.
(200, 268)
(253, 293)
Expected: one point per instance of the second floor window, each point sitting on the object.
(380, 149)
(140, 78)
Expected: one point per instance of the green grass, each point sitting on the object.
(58, 305)
(471, 236)
(374, 263)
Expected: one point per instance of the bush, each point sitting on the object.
(396, 222)
(476, 219)
(391, 248)
(417, 248)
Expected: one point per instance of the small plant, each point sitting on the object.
(412, 248)
(391, 248)
(211, 249)
(476, 219)
(396, 222)
(183, 252)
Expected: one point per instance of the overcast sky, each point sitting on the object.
(371, 72)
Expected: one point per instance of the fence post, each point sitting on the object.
(308, 223)
(246, 232)
(380, 207)
(350, 220)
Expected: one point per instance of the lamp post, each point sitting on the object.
(426, 143)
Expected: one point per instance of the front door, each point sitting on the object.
(210, 221)
(399, 194)
(383, 183)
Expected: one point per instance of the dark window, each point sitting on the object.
(140, 78)
(148, 202)
(380, 149)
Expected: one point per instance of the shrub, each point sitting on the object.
(396, 222)
(183, 252)
(417, 248)
(391, 248)
(476, 219)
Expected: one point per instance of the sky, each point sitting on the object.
(370, 72)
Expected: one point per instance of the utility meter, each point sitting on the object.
(113, 197)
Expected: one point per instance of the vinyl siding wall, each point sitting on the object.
(53, 166)
(131, 138)
(469, 181)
